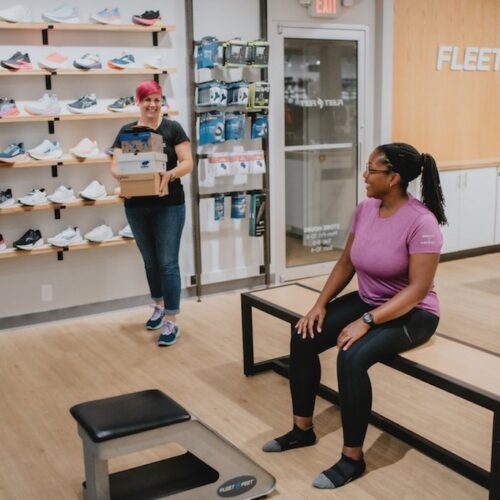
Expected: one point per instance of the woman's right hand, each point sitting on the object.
(305, 325)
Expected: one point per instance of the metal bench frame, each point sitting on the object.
(489, 480)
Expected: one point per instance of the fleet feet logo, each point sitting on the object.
(236, 486)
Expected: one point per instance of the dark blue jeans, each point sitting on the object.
(157, 232)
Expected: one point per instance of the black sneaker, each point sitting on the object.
(85, 104)
(32, 238)
(122, 104)
(148, 18)
(6, 199)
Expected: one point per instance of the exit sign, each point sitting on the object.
(324, 8)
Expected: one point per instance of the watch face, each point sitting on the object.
(368, 318)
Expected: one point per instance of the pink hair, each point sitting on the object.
(146, 88)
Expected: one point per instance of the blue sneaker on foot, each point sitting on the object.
(156, 320)
(169, 335)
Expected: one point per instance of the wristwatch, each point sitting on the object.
(368, 319)
(173, 176)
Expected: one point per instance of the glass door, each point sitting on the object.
(322, 132)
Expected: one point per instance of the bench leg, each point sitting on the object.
(96, 476)
(247, 334)
(495, 458)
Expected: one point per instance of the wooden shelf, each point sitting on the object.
(88, 72)
(129, 28)
(65, 160)
(23, 72)
(85, 245)
(22, 26)
(79, 203)
(108, 115)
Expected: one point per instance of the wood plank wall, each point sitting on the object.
(454, 115)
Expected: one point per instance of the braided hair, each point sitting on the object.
(409, 164)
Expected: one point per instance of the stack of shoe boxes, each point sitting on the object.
(141, 162)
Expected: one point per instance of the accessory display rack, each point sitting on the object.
(196, 279)
(69, 160)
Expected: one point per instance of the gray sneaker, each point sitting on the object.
(123, 104)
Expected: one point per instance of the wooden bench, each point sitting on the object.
(469, 373)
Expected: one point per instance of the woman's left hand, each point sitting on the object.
(165, 179)
(351, 333)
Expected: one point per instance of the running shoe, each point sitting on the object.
(31, 239)
(17, 61)
(8, 107)
(47, 150)
(62, 194)
(122, 62)
(46, 105)
(147, 18)
(123, 104)
(94, 191)
(35, 197)
(69, 236)
(53, 61)
(85, 149)
(126, 232)
(3, 245)
(6, 199)
(99, 234)
(107, 16)
(156, 320)
(169, 335)
(63, 14)
(16, 14)
(156, 62)
(88, 61)
(85, 104)
(12, 153)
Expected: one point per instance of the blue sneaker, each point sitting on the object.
(156, 320)
(107, 16)
(169, 335)
(122, 62)
(13, 152)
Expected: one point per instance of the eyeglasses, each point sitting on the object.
(369, 170)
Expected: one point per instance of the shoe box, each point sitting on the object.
(141, 162)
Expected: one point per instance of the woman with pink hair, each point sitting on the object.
(157, 221)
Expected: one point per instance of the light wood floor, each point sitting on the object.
(46, 369)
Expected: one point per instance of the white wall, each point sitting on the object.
(92, 275)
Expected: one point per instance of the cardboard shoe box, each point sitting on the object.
(140, 184)
(141, 141)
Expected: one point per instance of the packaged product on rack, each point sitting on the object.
(258, 96)
(219, 206)
(235, 126)
(235, 53)
(237, 93)
(259, 125)
(257, 220)
(211, 127)
(239, 164)
(209, 53)
(256, 162)
(212, 93)
(219, 165)
(238, 205)
(258, 53)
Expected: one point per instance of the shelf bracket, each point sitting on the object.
(155, 39)
(57, 213)
(48, 82)
(55, 173)
(45, 37)
(60, 255)
(156, 78)
(51, 127)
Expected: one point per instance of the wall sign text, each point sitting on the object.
(468, 58)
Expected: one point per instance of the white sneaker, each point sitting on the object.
(62, 195)
(47, 105)
(94, 191)
(85, 149)
(126, 232)
(16, 14)
(63, 14)
(47, 150)
(67, 237)
(36, 197)
(156, 62)
(99, 234)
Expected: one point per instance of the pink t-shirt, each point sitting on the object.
(382, 247)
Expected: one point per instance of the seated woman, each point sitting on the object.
(393, 247)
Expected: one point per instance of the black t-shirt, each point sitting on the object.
(173, 134)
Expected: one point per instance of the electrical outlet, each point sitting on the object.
(47, 293)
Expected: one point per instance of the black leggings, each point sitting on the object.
(382, 342)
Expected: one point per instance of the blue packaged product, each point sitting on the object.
(212, 93)
(238, 205)
(219, 206)
(211, 127)
(208, 52)
(235, 126)
(259, 125)
(237, 93)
